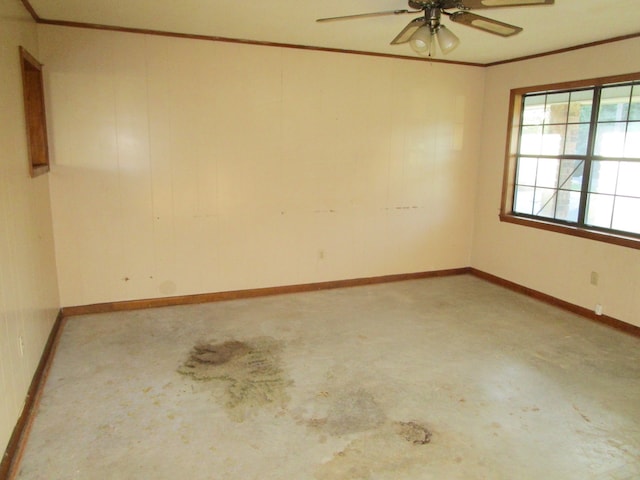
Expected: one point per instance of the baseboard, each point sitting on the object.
(14, 450)
(585, 312)
(252, 293)
(309, 287)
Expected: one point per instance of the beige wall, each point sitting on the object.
(28, 288)
(185, 166)
(556, 264)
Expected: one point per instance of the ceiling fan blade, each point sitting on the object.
(474, 4)
(365, 15)
(405, 35)
(485, 24)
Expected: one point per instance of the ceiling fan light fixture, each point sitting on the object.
(419, 32)
(446, 39)
(421, 41)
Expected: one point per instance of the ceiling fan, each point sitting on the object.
(421, 31)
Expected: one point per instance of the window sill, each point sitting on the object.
(629, 242)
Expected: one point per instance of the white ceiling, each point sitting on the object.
(546, 28)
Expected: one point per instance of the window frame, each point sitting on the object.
(510, 166)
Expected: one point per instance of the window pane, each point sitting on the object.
(614, 104)
(577, 139)
(533, 111)
(568, 206)
(523, 202)
(571, 174)
(580, 106)
(527, 168)
(557, 108)
(544, 202)
(629, 181)
(632, 141)
(547, 172)
(531, 140)
(625, 214)
(599, 210)
(634, 111)
(604, 177)
(610, 139)
(553, 139)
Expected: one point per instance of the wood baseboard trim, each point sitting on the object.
(251, 293)
(582, 311)
(15, 448)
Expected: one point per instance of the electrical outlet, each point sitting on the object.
(21, 345)
(598, 309)
(594, 278)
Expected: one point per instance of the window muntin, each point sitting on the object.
(577, 158)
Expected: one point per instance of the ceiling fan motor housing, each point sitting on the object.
(444, 4)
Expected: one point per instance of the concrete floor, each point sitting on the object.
(444, 378)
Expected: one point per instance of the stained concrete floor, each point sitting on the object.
(444, 378)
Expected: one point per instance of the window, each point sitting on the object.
(573, 162)
(33, 93)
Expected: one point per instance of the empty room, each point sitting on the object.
(330, 241)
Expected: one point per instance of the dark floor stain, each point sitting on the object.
(353, 412)
(393, 448)
(377, 446)
(413, 432)
(217, 354)
(250, 371)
